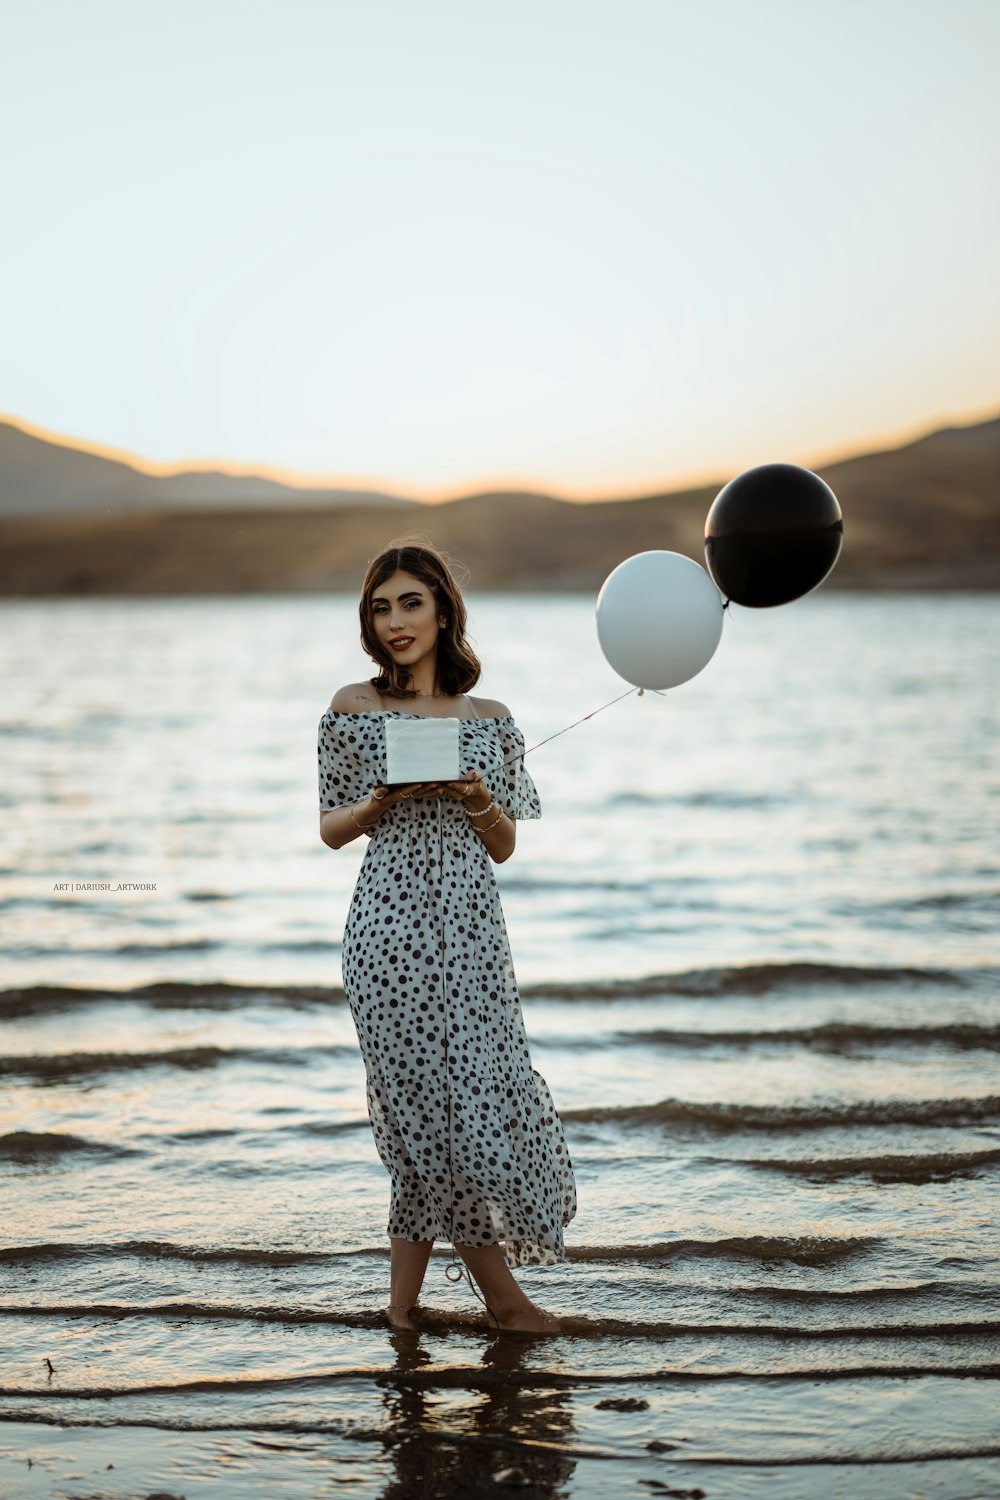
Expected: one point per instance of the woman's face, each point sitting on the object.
(405, 618)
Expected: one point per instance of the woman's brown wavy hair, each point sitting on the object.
(458, 667)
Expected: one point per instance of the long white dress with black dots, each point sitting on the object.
(462, 1121)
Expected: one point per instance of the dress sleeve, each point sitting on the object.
(343, 776)
(519, 797)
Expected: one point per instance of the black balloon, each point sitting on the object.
(772, 534)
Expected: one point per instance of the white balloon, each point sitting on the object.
(659, 619)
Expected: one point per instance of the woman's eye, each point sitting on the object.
(380, 609)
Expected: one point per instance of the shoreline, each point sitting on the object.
(938, 583)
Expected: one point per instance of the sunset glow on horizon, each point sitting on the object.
(387, 485)
(705, 238)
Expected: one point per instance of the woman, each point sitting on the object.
(465, 1126)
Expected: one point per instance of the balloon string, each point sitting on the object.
(522, 753)
(581, 721)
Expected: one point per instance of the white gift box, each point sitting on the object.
(421, 750)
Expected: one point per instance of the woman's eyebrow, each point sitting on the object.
(410, 594)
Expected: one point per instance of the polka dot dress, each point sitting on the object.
(462, 1121)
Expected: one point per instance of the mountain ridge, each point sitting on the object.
(923, 515)
(43, 477)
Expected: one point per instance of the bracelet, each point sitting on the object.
(365, 827)
(483, 810)
(487, 826)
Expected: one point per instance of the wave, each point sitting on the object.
(768, 1250)
(29, 1145)
(168, 994)
(940, 1166)
(51, 1252)
(162, 951)
(726, 797)
(802, 1249)
(720, 1116)
(749, 979)
(835, 1036)
(542, 885)
(318, 1127)
(651, 1328)
(53, 1065)
(469, 1378)
(470, 1444)
(948, 901)
(847, 1296)
(49, 1067)
(746, 979)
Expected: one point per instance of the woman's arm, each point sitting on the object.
(337, 827)
(492, 825)
(342, 825)
(499, 834)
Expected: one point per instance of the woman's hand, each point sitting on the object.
(471, 790)
(387, 796)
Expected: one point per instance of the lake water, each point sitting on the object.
(755, 933)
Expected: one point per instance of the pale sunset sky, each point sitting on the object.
(436, 247)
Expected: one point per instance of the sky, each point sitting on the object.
(587, 248)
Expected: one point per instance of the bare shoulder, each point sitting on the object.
(355, 698)
(491, 708)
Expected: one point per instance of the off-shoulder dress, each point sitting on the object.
(464, 1124)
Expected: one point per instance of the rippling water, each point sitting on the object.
(755, 934)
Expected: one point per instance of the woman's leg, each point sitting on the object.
(512, 1307)
(408, 1262)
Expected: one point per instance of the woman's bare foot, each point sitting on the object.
(530, 1319)
(399, 1316)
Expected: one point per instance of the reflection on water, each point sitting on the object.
(499, 1417)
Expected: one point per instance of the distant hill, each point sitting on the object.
(41, 478)
(925, 515)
